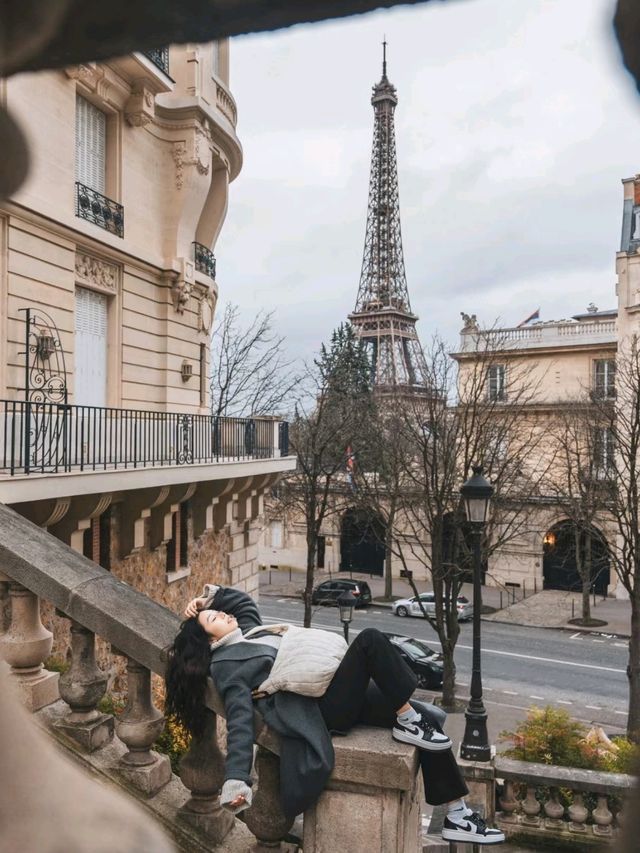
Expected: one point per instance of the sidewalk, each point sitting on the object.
(546, 609)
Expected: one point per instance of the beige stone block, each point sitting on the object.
(39, 690)
(150, 778)
(90, 736)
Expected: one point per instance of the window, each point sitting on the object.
(203, 374)
(276, 534)
(604, 378)
(178, 545)
(91, 139)
(496, 382)
(215, 59)
(603, 449)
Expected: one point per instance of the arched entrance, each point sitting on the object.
(362, 543)
(559, 562)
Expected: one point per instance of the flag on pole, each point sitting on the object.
(534, 316)
(350, 464)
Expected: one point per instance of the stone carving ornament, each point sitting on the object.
(96, 271)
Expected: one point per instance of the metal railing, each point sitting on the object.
(160, 58)
(205, 260)
(97, 208)
(56, 438)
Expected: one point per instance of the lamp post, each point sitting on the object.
(476, 494)
(346, 603)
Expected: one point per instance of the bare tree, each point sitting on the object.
(321, 433)
(466, 420)
(619, 423)
(580, 483)
(250, 374)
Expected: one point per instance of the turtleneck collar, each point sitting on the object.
(228, 640)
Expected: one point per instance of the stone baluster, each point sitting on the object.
(5, 610)
(531, 807)
(602, 817)
(139, 725)
(265, 818)
(508, 802)
(554, 810)
(578, 813)
(202, 772)
(25, 645)
(82, 687)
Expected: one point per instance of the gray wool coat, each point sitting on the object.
(306, 751)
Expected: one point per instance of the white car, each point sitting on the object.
(411, 607)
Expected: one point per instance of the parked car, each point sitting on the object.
(421, 658)
(411, 607)
(328, 592)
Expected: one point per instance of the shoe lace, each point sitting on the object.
(480, 822)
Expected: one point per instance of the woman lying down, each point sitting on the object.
(307, 684)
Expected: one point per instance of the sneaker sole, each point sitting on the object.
(470, 838)
(405, 737)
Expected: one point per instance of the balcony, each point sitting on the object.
(100, 210)
(205, 260)
(160, 58)
(54, 438)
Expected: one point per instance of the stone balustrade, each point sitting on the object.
(539, 335)
(532, 802)
(371, 802)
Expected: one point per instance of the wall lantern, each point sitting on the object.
(45, 346)
(186, 370)
(549, 540)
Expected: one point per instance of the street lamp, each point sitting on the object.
(346, 603)
(476, 494)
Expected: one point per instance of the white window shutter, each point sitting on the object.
(91, 136)
(91, 348)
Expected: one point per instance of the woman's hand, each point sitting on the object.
(194, 606)
(239, 801)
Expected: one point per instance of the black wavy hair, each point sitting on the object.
(186, 676)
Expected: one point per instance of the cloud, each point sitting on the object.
(514, 126)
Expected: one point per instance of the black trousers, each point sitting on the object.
(369, 686)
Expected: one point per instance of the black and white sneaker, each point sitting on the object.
(472, 829)
(422, 734)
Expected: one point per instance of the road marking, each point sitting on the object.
(598, 641)
(435, 642)
(283, 600)
(563, 702)
(539, 698)
(594, 707)
(377, 612)
(576, 635)
(621, 713)
(621, 645)
(510, 692)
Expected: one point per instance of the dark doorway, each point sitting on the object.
(320, 549)
(559, 563)
(362, 543)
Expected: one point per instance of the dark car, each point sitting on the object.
(422, 659)
(329, 592)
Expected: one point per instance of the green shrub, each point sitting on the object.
(56, 664)
(550, 736)
(174, 742)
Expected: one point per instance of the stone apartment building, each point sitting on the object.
(108, 290)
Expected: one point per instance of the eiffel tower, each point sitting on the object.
(382, 316)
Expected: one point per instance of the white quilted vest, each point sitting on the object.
(306, 661)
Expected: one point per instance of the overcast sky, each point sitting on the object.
(514, 126)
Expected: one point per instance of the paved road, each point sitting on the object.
(521, 666)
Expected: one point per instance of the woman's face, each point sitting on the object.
(216, 623)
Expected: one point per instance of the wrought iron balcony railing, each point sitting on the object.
(97, 208)
(205, 260)
(160, 58)
(51, 438)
